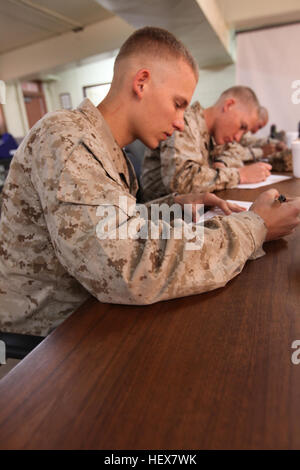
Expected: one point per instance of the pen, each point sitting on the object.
(281, 198)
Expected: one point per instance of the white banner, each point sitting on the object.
(268, 61)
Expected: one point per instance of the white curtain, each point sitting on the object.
(268, 61)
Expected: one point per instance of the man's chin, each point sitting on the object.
(153, 144)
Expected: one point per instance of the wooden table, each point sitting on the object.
(211, 371)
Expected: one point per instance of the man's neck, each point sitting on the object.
(209, 119)
(115, 117)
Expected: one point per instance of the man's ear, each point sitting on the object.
(140, 81)
(228, 103)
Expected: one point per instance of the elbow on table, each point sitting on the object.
(134, 292)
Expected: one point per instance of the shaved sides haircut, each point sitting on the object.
(243, 94)
(156, 43)
(263, 114)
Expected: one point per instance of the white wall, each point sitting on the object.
(73, 80)
(70, 81)
(14, 110)
(212, 82)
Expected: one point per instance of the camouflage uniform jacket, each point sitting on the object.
(250, 140)
(182, 162)
(249, 149)
(234, 154)
(280, 160)
(52, 258)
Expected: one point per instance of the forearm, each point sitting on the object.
(192, 177)
(147, 270)
(257, 142)
(235, 155)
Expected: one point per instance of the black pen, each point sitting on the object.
(281, 198)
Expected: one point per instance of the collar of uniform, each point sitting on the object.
(201, 123)
(102, 144)
(200, 115)
(134, 185)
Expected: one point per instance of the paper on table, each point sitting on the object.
(217, 211)
(272, 179)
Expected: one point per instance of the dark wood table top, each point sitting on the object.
(211, 371)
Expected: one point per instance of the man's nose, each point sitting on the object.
(178, 125)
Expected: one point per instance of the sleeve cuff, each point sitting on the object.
(169, 199)
(257, 152)
(257, 231)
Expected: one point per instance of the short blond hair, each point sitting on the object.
(243, 94)
(263, 114)
(156, 42)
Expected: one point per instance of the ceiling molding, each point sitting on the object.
(46, 55)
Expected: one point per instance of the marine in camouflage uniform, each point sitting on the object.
(52, 260)
(281, 161)
(182, 163)
(249, 150)
(251, 140)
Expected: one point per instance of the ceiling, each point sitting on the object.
(184, 18)
(25, 22)
(242, 14)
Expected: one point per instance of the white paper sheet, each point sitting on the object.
(217, 211)
(272, 179)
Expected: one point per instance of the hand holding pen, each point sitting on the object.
(280, 215)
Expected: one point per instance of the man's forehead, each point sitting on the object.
(184, 82)
(179, 66)
(249, 114)
(254, 117)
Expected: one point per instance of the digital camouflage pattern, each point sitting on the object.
(251, 140)
(249, 150)
(182, 163)
(234, 155)
(51, 259)
(3, 175)
(281, 161)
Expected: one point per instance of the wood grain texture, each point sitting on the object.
(211, 371)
